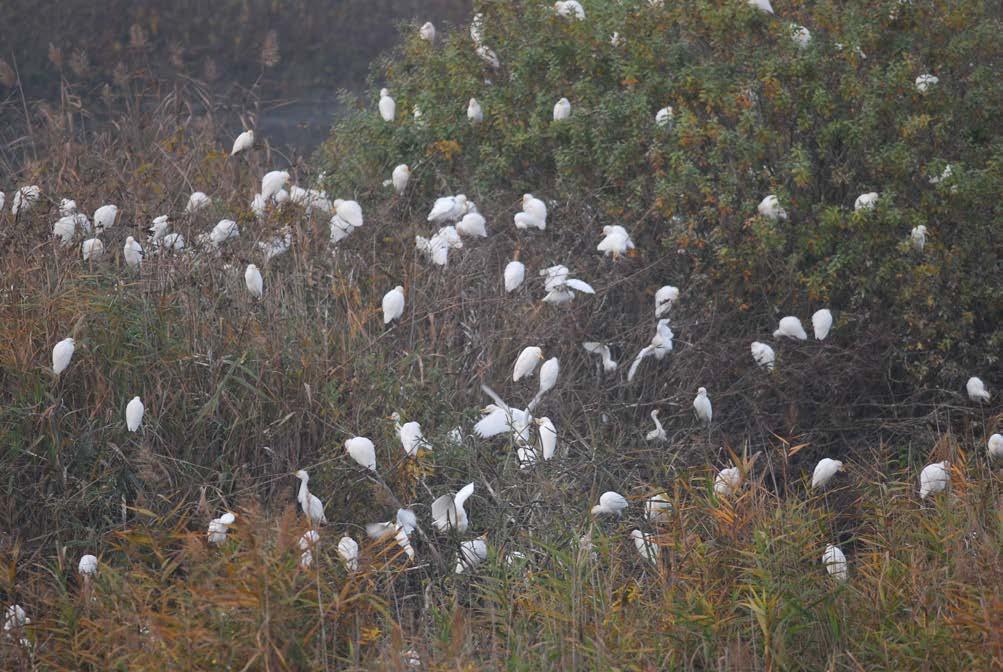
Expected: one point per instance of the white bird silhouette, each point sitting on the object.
(488, 55)
(393, 304)
(448, 209)
(835, 563)
(603, 351)
(821, 322)
(25, 199)
(310, 503)
(15, 618)
(272, 183)
(67, 206)
(410, 435)
(934, 478)
(660, 346)
(499, 417)
(427, 32)
(616, 241)
(134, 414)
(727, 482)
(762, 5)
(197, 201)
(92, 249)
(664, 117)
(925, 82)
(824, 472)
(218, 528)
(133, 252)
(548, 437)
(400, 528)
(515, 273)
(665, 297)
(790, 327)
(644, 542)
(62, 353)
(104, 217)
(436, 248)
(770, 207)
(348, 551)
(448, 512)
(548, 378)
(387, 105)
(400, 177)
(2, 200)
(88, 566)
(254, 282)
(308, 543)
(800, 35)
(562, 109)
(474, 112)
(918, 238)
(976, 389)
(610, 502)
(570, 9)
(473, 224)
(244, 142)
(159, 228)
(477, 28)
(995, 446)
(363, 451)
(702, 406)
(472, 554)
(561, 288)
(526, 362)
(65, 228)
(224, 230)
(763, 355)
(657, 508)
(866, 201)
(658, 433)
(533, 215)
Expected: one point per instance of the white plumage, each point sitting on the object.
(473, 224)
(254, 282)
(272, 183)
(197, 201)
(610, 502)
(976, 389)
(658, 433)
(727, 482)
(348, 551)
(134, 414)
(821, 322)
(560, 287)
(515, 273)
(664, 117)
(526, 362)
(224, 230)
(409, 434)
(548, 438)
(570, 9)
(665, 298)
(835, 563)
(25, 199)
(763, 355)
(661, 345)
(92, 249)
(790, 327)
(995, 446)
(866, 201)
(472, 554)
(616, 241)
(548, 375)
(770, 207)
(104, 217)
(88, 565)
(533, 215)
(448, 209)
(762, 5)
(348, 211)
(657, 508)
(67, 206)
(917, 238)
(62, 353)
(393, 304)
(310, 503)
(702, 406)
(427, 32)
(499, 417)
(824, 472)
(448, 511)
(925, 82)
(800, 35)
(603, 351)
(218, 528)
(133, 252)
(474, 112)
(488, 55)
(934, 478)
(400, 177)
(562, 110)
(363, 451)
(387, 105)
(244, 142)
(644, 542)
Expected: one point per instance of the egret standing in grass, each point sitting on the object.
(62, 353)
(702, 406)
(934, 478)
(387, 105)
(393, 304)
(474, 112)
(515, 273)
(824, 472)
(727, 482)
(562, 110)
(448, 512)
(254, 282)
(104, 217)
(610, 503)
(976, 389)
(427, 32)
(244, 142)
(821, 323)
(658, 433)
(400, 177)
(310, 503)
(835, 563)
(134, 414)
(348, 551)
(218, 528)
(472, 553)
(133, 252)
(88, 566)
(644, 542)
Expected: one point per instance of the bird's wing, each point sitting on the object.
(494, 397)
(580, 285)
(441, 509)
(464, 494)
(407, 520)
(593, 347)
(637, 362)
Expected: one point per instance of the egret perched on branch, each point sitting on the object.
(244, 142)
(448, 512)
(92, 249)
(472, 553)
(134, 414)
(917, 238)
(310, 503)
(548, 438)
(603, 351)
(409, 434)
(995, 446)
(348, 551)
(363, 451)
(427, 32)
(533, 215)
(474, 112)
(515, 273)
(824, 472)
(658, 433)
(25, 199)
(664, 117)
(616, 241)
(104, 217)
(821, 322)
(976, 389)
(657, 508)
(400, 177)
(133, 252)
(224, 230)
(448, 209)
(252, 278)
(644, 542)
(473, 224)
(934, 478)
(499, 417)
(561, 288)
(272, 183)
(307, 543)
(835, 563)
(400, 528)
(661, 345)
(702, 406)
(218, 528)
(763, 355)
(88, 566)
(612, 503)
(548, 375)
(197, 201)
(67, 206)
(562, 110)
(790, 327)
(159, 228)
(762, 5)
(387, 105)
(727, 482)
(62, 353)
(770, 207)
(526, 362)
(866, 201)
(393, 304)
(665, 297)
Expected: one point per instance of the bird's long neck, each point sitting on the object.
(304, 492)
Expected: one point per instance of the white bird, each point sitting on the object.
(393, 304)
(934, 478)
(561, 288)
(277, 245)
(281, 196)
(499, 417)
(664, 117)
(173, 242)
(363, 451)
(603, 351)
(436, 249)
(477, 28)
(616, 241)
(104, 217)
(488, 55)
(65, 228)
(770, 207)
(348, 551)
(427, 32)
(309, 540)
(2, 200)
(224, 230)
(644, 542)
(562, 110)
(800, 35)
(133, 252)
(763, 355)
(866, 201)
(310, 503)
(660, 346)
(515, 273)
(472, 553)
(400, 528)
(134, 414)
(995, 446)
(658, 433)
(610, 503)
(62, 353)
(570, 9)
(977, 390)
(159, 228)
(665, 297)
(67, 206)
(348, 211)
(824, 472)
(533, 215)
(548, 438)
(473, 224)
(400, 177)
(474, 112)
(258, 206)
(924, 82)
(918, 238)
(272, 183)
(88, 565)
(762, 5)
(448, 209)
(526, 362)
(15, 618)
(526, 456)
(197, 201)
(387, 105)
(727, 482)
(244, 142)
(548, 375)
(835, 563)
(702, 406)
(658, 508)
(448, 511)
(25, 199)
(218, 527)
(92, 249)
(252, 278)
(409, 434)
(821, 322)
(790, 327)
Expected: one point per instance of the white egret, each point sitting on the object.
(561, 288)
(762, 5)
(309, 540)
(976, 389)
(835, 563)
(917, 238)
(310, 503)
(488, 55)
(616, 241)
(362, 450)
(197, 201)
(548, 375)
(824, 472)
(477, 28)
(409, 434)
(65, 228)
(272, 183)
(244, 142)
(660, 346)
(436, 249)
(800, 35)
(448, 209)
(763, 355)
(790, 327)
(67, 206)
(610, 502)
(995, 446)
(526, 456)
(15, 618)
(644, 542)
(159, 228)
(934, 478)
(526, 362)
(770, 208)
(134, 411)
(658, 508)
(472, 553)
(499, 417)
(2, 200)
(224, 230)
(473, 224)
(387, 105)
(133, 252)
(281, 196)
(393, 304)
(665, 298)
(62, 353)
(866, 201)
(474, 111)
(570, 9)
(258, 205)
(104, 217)
(658, 433)
(348, 551)
(427, 32)
(603, 351)
(277, 245)
(664, 117)
(92, 249)
(727, 482)
(548, 437)
(173, 242)
(349, 211)
(400, 528)
(254, 282)
(515, 273)
(25, 199)
(925, 82)
(562, 110)
(702, 406)
(88, 565)
(218, 528)
(448, 511)
(533, 215)
(821, 322)
(400, 177)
